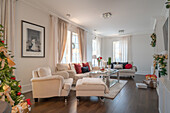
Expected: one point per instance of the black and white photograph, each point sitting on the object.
(33, 40)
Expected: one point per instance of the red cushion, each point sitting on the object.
(86, 64)
(128, 66)
(78, 68)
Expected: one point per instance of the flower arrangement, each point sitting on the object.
(151, 77)
(160, 59)
(168, 4)
(153, 42)
(99, 59)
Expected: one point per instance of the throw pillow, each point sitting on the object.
(124, 64)
(112, 65)
(90, 64)
(85, 69)
(128, 66)
(86, 65)
(78, 68)
(44, 71)
(62, 67)
(118, 66)
(72, 67)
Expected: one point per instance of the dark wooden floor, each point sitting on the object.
(129, 100)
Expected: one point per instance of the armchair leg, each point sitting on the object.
(101, 99)
(36, 99)
(78, 98)
(65, 99)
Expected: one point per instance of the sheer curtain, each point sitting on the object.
(122, 49)
(7, 19)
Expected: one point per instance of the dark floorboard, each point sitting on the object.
(129, 100)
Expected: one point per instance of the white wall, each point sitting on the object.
(141, 52)
(26, 11)
(26, 65)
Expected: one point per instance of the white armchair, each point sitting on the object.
(45, 84)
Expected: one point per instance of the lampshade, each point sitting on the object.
(94, 57)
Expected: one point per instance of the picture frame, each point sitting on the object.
(33, 40)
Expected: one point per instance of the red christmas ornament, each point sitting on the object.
(28, 101)
(19, 86)
(19, 93)
(100, 57)
(2, 41)
(13, 78)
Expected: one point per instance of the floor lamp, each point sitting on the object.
(94, 57)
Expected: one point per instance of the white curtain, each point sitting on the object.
(122, 49)
(98, 46)
(82, 44)
(7, 19)
(53, 40)
(62, 39)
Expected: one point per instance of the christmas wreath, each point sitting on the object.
(153, 42)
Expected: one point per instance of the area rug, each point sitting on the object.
(115, 89)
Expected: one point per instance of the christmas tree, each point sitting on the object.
(10, 88)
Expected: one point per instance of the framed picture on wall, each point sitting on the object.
(33, 40)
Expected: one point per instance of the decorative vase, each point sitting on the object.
(98, 64)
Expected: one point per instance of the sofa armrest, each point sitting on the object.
(72, 73)
(134, 68)
(64, 74)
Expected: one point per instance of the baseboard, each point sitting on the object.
(143, 73)
(26, 88)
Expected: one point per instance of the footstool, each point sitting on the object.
(89, 89)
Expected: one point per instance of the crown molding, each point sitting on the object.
(44, 9)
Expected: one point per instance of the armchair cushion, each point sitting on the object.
(67, 84)
(64, 74)
(44, 71)
(72, 73)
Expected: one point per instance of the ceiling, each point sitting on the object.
(133, 16)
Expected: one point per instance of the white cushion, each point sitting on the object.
(62, 67)
(118, 66)
(90, 64)
(81, 87)
(72, 67)
(44, 71)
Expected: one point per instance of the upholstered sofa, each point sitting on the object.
(69, 68)
(125, 72)
(45, 84)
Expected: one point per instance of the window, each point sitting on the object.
(94, 47)
(94, 52)
(120, 50)
(71, 53)
(75, 48)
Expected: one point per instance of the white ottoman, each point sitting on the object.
(89, 90)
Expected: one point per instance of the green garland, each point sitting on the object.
(160, 59)
(153, 42)
(168, 4)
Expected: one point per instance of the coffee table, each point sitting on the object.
(106, 76)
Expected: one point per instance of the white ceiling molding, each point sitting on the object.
(131, 15)
(46, 10)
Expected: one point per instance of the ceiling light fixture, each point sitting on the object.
(107, 15)
(121, 31)
(68, 15)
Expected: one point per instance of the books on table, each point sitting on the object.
(141, 85)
